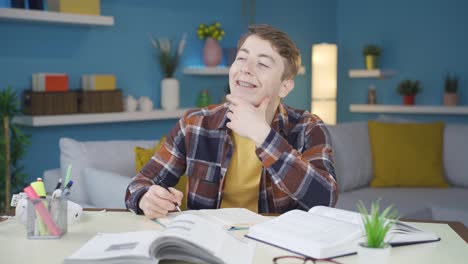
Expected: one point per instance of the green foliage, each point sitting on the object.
(451, 84)
(167, 56)
(18, 141)
(373, 50)
(214, 31)
(377, 224)
(408, 87)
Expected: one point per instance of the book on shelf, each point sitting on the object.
(325, 232)
(228, 218)
(185, 239)
(98, 82)
(50, 82)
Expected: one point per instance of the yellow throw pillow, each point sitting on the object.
(407, 155)
(143, 155)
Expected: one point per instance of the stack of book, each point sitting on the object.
(85, 7)
(96, 82)
(49, 82)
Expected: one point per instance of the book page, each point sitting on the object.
(237, 218)
(400, 232)
(305, 233)
(187, 235)
(105, 246)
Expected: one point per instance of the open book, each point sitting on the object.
(229, 218)
(185, 238)
(326, 232)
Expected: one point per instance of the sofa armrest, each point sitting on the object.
(50, 179)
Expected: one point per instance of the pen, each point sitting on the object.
(160, 183)
(59, 184)
(66, 190)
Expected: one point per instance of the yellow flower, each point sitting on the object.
(213, 30)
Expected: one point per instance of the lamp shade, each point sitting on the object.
(324, 81)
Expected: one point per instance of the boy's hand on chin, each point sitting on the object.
(247, 120)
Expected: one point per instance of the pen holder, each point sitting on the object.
(46, 218)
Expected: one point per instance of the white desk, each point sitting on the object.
(16, 248)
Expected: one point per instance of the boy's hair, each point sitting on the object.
(281, 43)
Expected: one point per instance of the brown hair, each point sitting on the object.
(281, 43)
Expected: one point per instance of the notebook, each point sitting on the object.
(229, 218)
(185, 239)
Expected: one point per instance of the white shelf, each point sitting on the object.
(218, 70)
(361, 73)
(410, 109)
(78, 119)
(54, 17)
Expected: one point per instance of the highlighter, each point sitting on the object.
(39, 187)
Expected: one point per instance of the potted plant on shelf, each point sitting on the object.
(408, 89)
(451, 87)
(376, 225)
(13, 143)
(371, 55)
(168, 59)
(212, 52)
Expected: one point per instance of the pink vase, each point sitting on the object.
(450, 99)
(212, 52)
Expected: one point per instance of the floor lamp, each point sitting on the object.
(324, 75)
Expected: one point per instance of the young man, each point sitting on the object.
(253, 151)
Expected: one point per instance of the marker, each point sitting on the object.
(160, 183)
(66, 190)
(39, 188)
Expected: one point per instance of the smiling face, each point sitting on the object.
(257, 71)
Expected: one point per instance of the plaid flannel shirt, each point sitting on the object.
(297, 159)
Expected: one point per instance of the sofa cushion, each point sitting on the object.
(105, 189)
(115, 156)
(455, 158)
(407, 154)
(351, 148)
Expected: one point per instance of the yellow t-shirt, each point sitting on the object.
(242, 182)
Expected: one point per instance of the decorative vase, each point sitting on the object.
(367, 255)
(169, 94)
(450, 99)
(212, 52)
(371, 62)
(408, 99)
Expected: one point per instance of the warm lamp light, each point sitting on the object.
(324, 75)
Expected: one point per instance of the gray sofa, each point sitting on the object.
(353, 165)
(102, 169)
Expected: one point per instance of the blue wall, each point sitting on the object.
(421, 40)
(124, 50)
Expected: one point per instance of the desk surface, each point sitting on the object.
(16, 248)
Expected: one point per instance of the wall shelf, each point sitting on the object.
(221, 70)
(414, 109)
(378, 73)
(78, 119)
(54, 17)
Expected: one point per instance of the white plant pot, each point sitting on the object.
(368, 255)
(169, 94)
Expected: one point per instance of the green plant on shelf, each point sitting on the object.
(451, 83)
(372, 50)
(408, 87)
(210, 31)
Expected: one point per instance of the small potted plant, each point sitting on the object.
(212, 52)
(376, 225)
(371, 54)
(451, 87)
(408, 89)
(168, 58)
